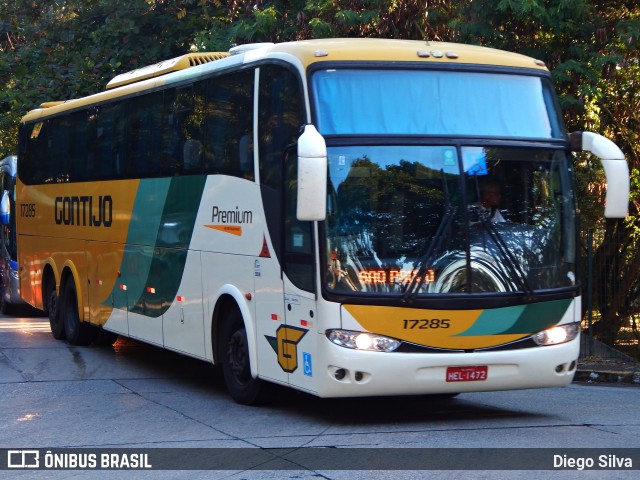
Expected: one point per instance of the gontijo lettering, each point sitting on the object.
(84, 211)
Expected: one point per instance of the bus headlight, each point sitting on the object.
(363, 340)
(557, 334)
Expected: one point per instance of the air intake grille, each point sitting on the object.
(167, 66)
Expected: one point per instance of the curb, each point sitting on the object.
(607, 376)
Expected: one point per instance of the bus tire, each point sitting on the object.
(55, 321)
(77, 332)
(234, 357)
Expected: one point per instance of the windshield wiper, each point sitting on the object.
(506, 256)
(434, 245)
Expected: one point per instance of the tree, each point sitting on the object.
(71, 48)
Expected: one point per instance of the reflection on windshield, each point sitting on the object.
(414, 220)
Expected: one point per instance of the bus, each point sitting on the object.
(309, 214)
(10, 300)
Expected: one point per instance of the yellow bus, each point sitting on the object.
(347, 217)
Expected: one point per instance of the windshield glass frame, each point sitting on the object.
(515, 246)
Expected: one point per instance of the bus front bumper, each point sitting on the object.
(351, 373)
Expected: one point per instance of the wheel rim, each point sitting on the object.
(238, 355)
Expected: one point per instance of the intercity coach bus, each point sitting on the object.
(313, 214)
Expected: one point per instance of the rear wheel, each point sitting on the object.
(55, 322)
(77, 332)
(236, 367)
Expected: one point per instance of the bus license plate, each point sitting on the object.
(467, 374)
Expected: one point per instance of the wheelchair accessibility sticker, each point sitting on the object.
(307, 366)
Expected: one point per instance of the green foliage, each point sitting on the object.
(72, 48)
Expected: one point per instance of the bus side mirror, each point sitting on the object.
(312, 175)
(5, 209)
(615, 167)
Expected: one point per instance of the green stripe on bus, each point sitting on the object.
(521, 319)
(155, 256)
(539, 316)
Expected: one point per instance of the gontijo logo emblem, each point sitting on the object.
(229, 221)
(285, 344)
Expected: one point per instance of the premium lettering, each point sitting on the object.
(231, 216)
(84, 211)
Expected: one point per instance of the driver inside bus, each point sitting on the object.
(486, 207)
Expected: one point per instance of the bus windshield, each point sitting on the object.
(430, 102)
(445, 219)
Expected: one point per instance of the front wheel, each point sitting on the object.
(236, 367)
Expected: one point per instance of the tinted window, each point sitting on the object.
(205, 127)
(281, 116)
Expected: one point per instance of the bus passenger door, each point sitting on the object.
(284, 279)
(299, 284)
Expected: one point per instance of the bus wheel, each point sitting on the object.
(77, 332)
(55, 322)
(234, 356)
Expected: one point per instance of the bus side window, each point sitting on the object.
(228, 126)
(35, 165)
(89, 170)
(181, 122)
(142, 126)
(169, 135)
(109, 140)
(59, 145)
(281, 116)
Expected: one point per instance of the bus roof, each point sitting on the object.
(307, 52)
(376, 49)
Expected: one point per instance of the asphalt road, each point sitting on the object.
(134, 396)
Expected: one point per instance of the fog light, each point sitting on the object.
(340, 373)
(363, 340)
(557, 334)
